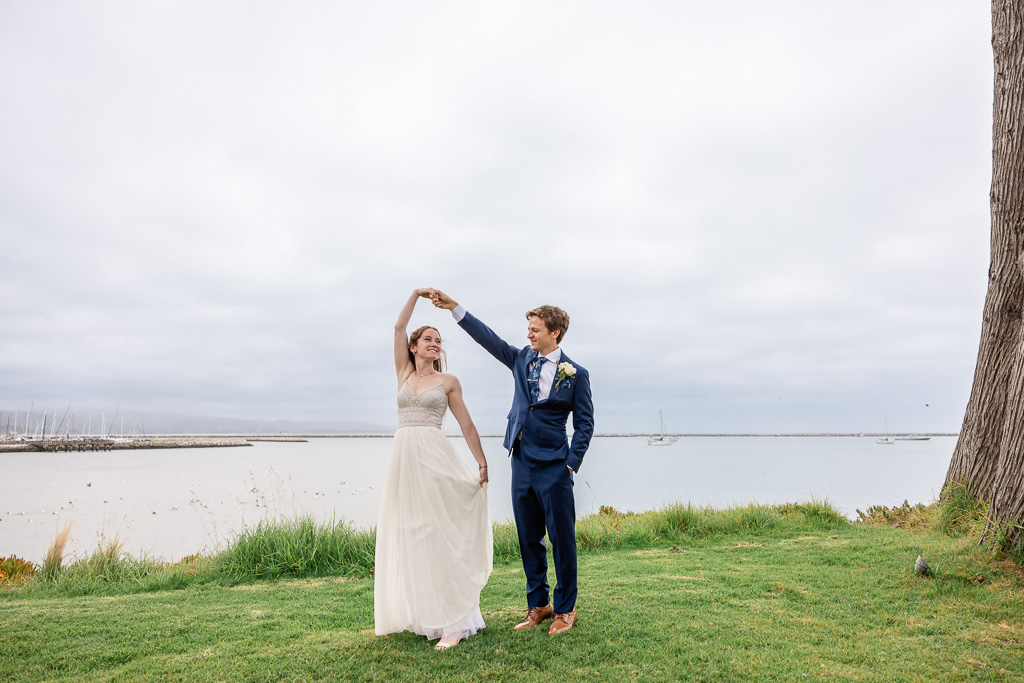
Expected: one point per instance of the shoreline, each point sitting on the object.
(167, 441)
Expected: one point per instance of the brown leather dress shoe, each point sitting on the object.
(536, 615)
(562, 623)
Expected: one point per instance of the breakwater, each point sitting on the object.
(93, 444)
(281, 439)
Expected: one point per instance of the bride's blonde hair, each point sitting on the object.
(414, 339)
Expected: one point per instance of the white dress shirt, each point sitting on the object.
(547, 372)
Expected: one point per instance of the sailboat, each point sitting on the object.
(661, 439)
(887, 440)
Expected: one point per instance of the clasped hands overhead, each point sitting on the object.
(438, 298)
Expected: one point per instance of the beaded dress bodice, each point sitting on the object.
(425, 409)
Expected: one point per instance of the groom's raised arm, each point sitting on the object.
(486, 337)
(481, 334)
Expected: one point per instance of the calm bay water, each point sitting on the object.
(171, 503)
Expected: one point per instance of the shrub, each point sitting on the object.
(817, 512)
(960, 513)
(903, 516)
(14, 570)
(678, 519)
(298, 547)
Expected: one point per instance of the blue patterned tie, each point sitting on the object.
(534, 379)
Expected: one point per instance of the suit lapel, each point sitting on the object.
(551, 389)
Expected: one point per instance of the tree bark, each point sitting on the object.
(1008, 212)
(993, 415)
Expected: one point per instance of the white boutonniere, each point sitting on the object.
(565, 371)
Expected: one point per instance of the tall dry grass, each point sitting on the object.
(55, 553)
(110, 552)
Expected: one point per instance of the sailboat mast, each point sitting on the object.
(117, 408)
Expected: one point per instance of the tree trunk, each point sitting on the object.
(1008, 490)
(1008, 212)
(993, 414)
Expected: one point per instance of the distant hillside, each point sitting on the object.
(172, 423)
(169, 423)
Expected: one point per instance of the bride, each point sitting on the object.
(434, 546)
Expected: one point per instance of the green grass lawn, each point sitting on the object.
(833, 604)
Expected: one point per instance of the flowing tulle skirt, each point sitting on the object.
(434, 545)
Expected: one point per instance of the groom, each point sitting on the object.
(548, 386)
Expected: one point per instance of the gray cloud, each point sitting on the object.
(762, 217)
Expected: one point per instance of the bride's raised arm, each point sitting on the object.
(402, 363)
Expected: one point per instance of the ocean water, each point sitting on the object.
(171, 503)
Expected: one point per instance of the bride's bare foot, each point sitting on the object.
(449, 642)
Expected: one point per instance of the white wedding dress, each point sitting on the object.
(434, 545)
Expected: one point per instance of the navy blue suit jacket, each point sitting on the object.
(541, 426)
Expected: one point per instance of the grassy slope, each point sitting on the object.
(834, 604)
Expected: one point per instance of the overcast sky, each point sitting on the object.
(761, 216)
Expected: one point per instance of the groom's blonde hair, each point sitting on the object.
(554, 319)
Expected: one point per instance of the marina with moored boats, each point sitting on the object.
(47, 435)
(91, 444)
